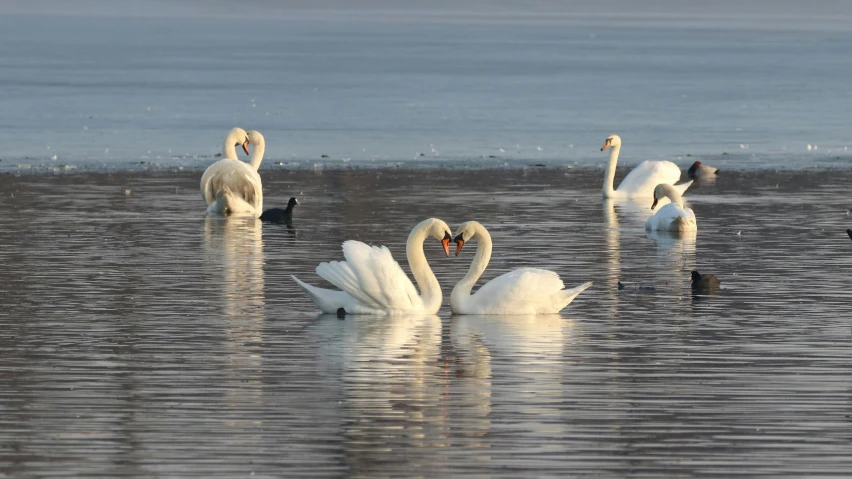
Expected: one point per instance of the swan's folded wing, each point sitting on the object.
(379, 276)
(642, 180)
(520, 285)
(662, 220)
(207, 190)
(244, 182)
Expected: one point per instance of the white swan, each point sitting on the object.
(231, 187)
(643, 179)
(523, 291)
(672, 217)
(373, 283)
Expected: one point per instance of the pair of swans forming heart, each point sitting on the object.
(371, 282)
(230, 186)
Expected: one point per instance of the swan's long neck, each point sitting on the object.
(477, 267)
(229, 149)
(430, 290)
(257, 155)
(674, 196)
(609, 177)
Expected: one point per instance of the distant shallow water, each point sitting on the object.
(140, 338)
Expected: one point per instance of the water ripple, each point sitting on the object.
(140, 338)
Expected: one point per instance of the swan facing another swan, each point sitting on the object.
(230, 186)
(673, 216)
(643, 179)
(371, 282)
(523, 291)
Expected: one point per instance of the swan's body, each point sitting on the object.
(373, 283)
(640, 182)
(523, 291)
(697, 171)
(673, 216)
(231, 187)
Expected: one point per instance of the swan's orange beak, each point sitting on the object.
(245, 147)
(607, 143)
(459, 243)
(654, 205)
(446, 244)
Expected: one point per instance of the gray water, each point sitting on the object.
(369, 88)
(139, 338)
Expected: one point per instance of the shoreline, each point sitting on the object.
(724, 163)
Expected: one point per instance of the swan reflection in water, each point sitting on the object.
(234, 252)
(394, 391)
(674, 251)
(234, 261)
(674, 255)
(516, 362)
(632, 215)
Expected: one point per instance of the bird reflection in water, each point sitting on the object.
(513, 361)
(393, 391)
(234, 257)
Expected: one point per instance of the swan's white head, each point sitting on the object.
(613, 141)
(253, 137)
(442, 232)
(238, 136)
(465, 233)
(435, 228)
(662, 190)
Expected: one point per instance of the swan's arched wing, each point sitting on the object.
(379, 276)
(520, 285)
(341, 275)
(642, 180)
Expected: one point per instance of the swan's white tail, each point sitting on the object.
(228, 203)
(224, 204)
(681, 188)
(682, 225)
(319, 296)
(568, 295)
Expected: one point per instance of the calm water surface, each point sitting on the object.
(111, 92)
(140, 338)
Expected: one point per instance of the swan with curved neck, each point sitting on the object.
(673, 216)
(231, 187)
(259, 143)
(643, 179)
(522, 291)
(371, 282)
